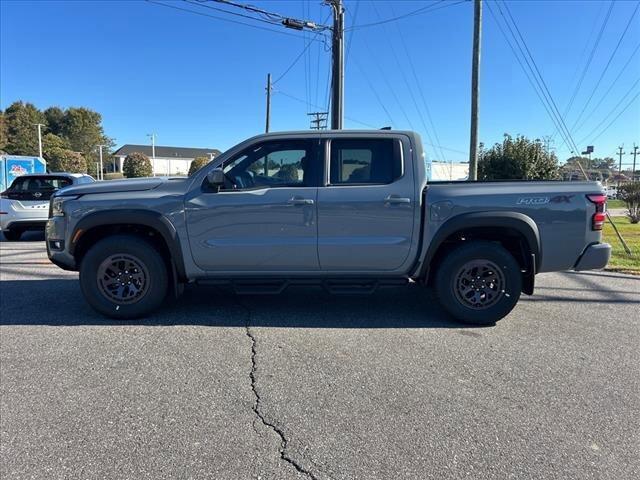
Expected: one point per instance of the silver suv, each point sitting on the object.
(25, 204)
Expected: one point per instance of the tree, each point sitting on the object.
(517, 159)
(54, 118)
(630, 194)
(22, 136)
(137, 165)
(198, 163)
(83, 130)
(64, 160)
(3, 132)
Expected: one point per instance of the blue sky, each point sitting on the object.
(200, 81)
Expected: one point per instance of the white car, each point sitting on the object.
(25, 204)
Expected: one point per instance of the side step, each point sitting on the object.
(334, 286)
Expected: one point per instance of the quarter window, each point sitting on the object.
(366, 161)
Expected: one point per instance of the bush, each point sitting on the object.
(517, 159)
(198, 163)
(63, 160)
(113, 176)
(630, 195)
(288, 173)
(137, 165)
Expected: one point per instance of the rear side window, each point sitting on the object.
(365, 161)
(39, 184)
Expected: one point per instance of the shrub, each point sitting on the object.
(113, 176)
(630, 195)
(137, 165)
(198, 163)
(63, 160)
(288, 173)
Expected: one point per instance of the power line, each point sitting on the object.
(588, 136)
(590, 59)
(375, 92)
(624, 67)
(528, 75)
(539, 78)
(420, 89)
(295, 61)
(237, 22)
(404, 77)
(428, 9)
(202, 4)
(271, 15)
(604, 71)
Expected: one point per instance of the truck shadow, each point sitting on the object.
(59, 302)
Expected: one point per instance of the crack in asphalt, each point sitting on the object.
(258, 399)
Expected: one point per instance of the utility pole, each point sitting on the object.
(153, 152)
(268, 121)
(40, 125)
(319, 122)
(475, 89)
(101, 176)
(634, 153)
(337, 55)
(620, 153)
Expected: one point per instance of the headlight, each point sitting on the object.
(57, 205)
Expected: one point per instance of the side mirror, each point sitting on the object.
(215, 178)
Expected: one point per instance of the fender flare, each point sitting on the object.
(516, 221)
(146, 218)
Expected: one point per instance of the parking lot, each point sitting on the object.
(305, 385)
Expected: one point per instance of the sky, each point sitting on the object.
(199, 81)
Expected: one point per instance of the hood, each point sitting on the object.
(112, 186)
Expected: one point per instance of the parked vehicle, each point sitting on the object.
(612, 192)
(25, 204)
(348, 210)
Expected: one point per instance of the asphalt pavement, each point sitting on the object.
(309, 386)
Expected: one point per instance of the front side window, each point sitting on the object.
(272, 164)
(365, 161)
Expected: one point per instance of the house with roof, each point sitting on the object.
(166, 161)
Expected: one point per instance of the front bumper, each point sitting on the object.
(55, 233)
(595, 257)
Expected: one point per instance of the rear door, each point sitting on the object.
(265, 218)
(366, 210)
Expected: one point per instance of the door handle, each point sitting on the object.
(395, 200)
(300, 201)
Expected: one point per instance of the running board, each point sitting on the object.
(334, 286)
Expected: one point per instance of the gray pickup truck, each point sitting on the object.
(347, 210)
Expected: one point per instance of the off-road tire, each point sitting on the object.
(146, 274)
(478, 283)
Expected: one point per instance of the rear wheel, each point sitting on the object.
(479, 283)
(123, 276)
(12, 235)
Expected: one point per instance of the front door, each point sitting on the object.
(265, 218)
(366, 212)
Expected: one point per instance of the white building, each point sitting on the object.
(167, 161)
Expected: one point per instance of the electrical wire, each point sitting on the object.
(616, 117)
(202, 4)
(528, 75)
(622, 70)
(538, 78)
(590, 59)
(428, 9)
(604, 71)
(237, 22)
(420, 91)
(588, 136)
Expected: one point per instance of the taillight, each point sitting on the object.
(598, 218)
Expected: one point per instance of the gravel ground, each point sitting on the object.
(305, 385)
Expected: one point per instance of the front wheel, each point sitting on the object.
(123, 277)
(479, 283)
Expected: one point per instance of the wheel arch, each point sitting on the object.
(149, 224)
(515, 231)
